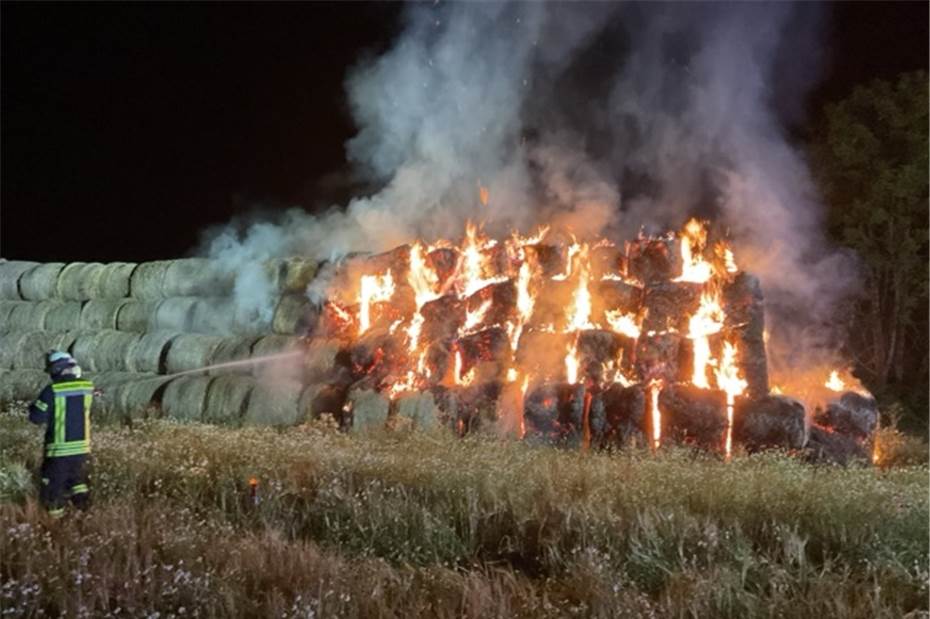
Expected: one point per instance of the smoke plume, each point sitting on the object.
(602, 118)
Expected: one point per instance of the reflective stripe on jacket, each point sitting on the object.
(64, 408)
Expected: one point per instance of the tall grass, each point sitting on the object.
(426, 525)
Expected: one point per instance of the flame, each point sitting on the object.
(476, 317)
(624, 324)
(656, 415)
(835, 383)
(460, 379)
(776, 390)
(483, 194)
(572, 363)
(706, 321)
(573, 249)
(729, 379)
(693, 266)
(374, 288)
(474, 263)
(579, 316)
(729, 261)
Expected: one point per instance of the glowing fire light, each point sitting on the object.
(622, 323)
(572, 363)
(835, 383)
(729, 379)
(656, 415)
(579, 317)
(374, 288)
(705, 322)
(693, 266)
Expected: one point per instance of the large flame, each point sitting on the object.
(705, 322)
(693, 266)
(373, 288)
(729, 379)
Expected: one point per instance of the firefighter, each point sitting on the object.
(64, 408)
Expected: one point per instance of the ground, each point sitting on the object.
(406, 524)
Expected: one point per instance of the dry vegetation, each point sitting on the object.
(418, 525)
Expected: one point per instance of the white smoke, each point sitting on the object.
(601, 117)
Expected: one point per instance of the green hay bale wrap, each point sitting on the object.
(233, 349)
(63, 316)
(135, 316)
(227, 400)
(80, 281)
(105, 351)
(101, 313)
(6, 308)
(113, 281)
(28, 316)
(40, 283)
(10, 272)
(185, 397)
(200, 277)
(150, 352)
(273, 404)
(293, 314)
(191, 352)
(22, 385)
(146, 280)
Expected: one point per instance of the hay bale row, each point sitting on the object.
(185, 397)
(22, 350)
(63, 316)
(40, 283)
(126, 395)
(105, 351)
(10, 273)
(21, 384)
(101, 313)
(54, 316)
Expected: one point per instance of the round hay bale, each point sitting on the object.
(227, 400)
(292, 274)
(113, 281)
(271, 357)
(40, 283)
(32, 348)
(230, 350)
(106, 405)
(6, 308)
(196, 277)
(10, 343)
(63, 316)
(191, 352)
(105, 351)
(146, 280)
(10, 272)
(185, 397)
(294, 314)
(101, 313)
(135, 316)
(136, 399)
(22, 384)
(273, 404)
(28, 316)
(173, 314)
(150, 352)
(79, 281)
(222, 316)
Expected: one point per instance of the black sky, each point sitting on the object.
(128, 128)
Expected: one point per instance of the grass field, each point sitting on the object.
(409, 525)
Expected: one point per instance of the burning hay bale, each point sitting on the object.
(745, 325)
(40, 283)
(624, 412)
(654, 260)
(294, 315)
(852, 415)
(657, 357)
(420, 409)
(668, 306)
(770, 421)
(827, 447)
(694, 415)
(368, 408)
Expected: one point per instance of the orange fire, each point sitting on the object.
(374, 288)
(655, 387)
(704, 323)
(835, 383)
(693, 266)
(572, 363)
(729, 379)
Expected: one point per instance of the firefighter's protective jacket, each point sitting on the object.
(64, 406)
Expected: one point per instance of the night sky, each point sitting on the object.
(127, 129)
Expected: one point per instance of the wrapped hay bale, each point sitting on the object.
(113, 281)
(33, 347)
(277, 355)
(105, 351)
(191, 352)
(28, 316)
(146, 280)
(150, 352)
(80, 281)
(173, 314)
(106, 405)
(230, 350)
(227, 400)
(6, 308)
(10, 272)
(63, 316)
(10, 343)
(40, 283)
(136, 398)
(135, 316)
(185, 397)
(293, 274)
(196, 277)
(101, 313)
(294, 314)
(22, 385)
(273, 404)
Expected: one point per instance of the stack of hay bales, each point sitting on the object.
(132, 327)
